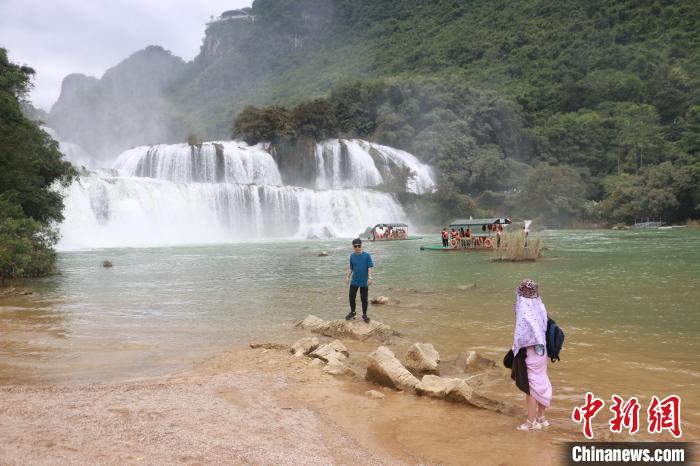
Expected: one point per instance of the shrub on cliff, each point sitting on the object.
(315, 119)
(268, 124)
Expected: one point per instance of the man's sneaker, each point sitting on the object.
(365, 318)
(350, 316)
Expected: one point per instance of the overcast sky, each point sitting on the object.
(59, 37)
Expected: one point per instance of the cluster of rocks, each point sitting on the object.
(385, 369)
(334, 354)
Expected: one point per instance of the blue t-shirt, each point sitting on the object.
(360, 263)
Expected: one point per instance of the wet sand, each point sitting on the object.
(250, 406)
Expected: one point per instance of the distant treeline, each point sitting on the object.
(491, 163)
(31, 168)
(564, 111)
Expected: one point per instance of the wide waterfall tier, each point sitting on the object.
(343, 163)
(116, 211)
(338, 164)
(227, 191)
(210, 162)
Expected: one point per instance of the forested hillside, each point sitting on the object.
(568, 111)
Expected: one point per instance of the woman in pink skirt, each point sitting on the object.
(530, 330)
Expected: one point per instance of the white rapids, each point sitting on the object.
(229, 191)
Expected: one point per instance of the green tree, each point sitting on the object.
(255, 125)
(622, 198)
(31, 171)
(553, 194)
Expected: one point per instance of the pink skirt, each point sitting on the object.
(540, 386)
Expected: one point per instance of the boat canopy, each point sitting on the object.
(480, 221)
(393, 225)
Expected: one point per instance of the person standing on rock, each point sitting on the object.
(361, 270)
(530, 337)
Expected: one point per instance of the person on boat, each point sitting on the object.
(529, 342)
(468, 235)
(445, 238)
(498, 238)
(361, 270)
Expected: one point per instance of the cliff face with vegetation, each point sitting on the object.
(566, 111)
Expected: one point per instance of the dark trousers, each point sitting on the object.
(444, 242)
(363, 298)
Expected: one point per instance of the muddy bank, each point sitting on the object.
(252, 406)
(240, 415)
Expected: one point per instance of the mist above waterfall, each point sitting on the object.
(228, 191)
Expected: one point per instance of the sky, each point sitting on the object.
(60, 37)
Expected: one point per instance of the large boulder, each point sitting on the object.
(383, 368)
(458, 390)
(357, 330)
(334, 351)
(422, 358)
(304, 346)
(471, 361)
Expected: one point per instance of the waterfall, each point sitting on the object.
(228, 191)
(71, 152)
(212, 162)
(343, 163)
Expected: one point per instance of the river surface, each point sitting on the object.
(628, 301)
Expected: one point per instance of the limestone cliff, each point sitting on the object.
(126, 107)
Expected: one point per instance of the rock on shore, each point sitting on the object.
(459, 390)
(357, 330)
(304, 346)
(471, 361)
(422, 358)
(383, 368)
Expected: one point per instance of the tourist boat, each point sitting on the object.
(647, 224)
(484, 235)
(389, 232)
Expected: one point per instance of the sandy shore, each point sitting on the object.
(250, 406)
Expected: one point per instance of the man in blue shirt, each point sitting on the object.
(361, 269)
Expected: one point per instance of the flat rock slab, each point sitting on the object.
(383, 368)
(355, 329)
(334, 351)
(458, 390)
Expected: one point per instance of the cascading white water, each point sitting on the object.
(212, 162)
(342, 163)
(72, 152)
(226, 191)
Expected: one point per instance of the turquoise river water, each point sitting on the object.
(629, 302)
